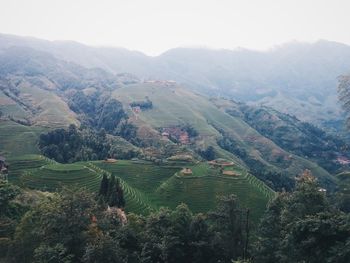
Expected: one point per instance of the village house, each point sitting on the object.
(186, 171)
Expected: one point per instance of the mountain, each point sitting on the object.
(40, 93)
(296, 78)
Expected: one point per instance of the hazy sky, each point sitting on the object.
(153, 26)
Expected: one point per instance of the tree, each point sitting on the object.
(229, 225)
(10, 213)
(120, 194)
(55, 254)
(8, 192)
(113, 199)
(103, 186)
(306, 228)
(208, 154)
(103, 249)
(64, 219)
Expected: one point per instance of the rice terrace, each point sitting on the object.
(147, 186)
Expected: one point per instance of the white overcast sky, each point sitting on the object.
(153, 26)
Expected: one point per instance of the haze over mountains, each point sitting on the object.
(295, 78)
(41, 86)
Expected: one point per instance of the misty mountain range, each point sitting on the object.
(296, 78)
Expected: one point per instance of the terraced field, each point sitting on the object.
(38, 172)
(159, 186)
(200, 192)
(140, 182)
(52, 176)
(17, 139)
(147, 186)
(19, 165)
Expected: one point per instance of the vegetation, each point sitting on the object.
(98, 109)
(275, 180)
(74, 145)
(208, 153)
(72, 226)
(144, 105)
(111, 192)
(146, 186)
(67, 146)
(295, 136)
(306, 227)
(89, 233)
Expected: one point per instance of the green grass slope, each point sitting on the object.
(38, 172)
(164, 186)
(173, 105)
(146, 186)
(17, 139)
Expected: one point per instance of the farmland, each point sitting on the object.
(146, 186)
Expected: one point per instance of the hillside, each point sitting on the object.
(146, 186)
(176, 106)
(291, 134)
(296, 78)
(40, 92)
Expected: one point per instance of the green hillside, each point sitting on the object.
(17, 139)
(146, 186)
(173, 105)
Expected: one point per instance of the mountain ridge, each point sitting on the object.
(295, 78)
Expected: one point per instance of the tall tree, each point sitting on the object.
(103, 186)
(306, 228)
(228, 222)
(120, 194)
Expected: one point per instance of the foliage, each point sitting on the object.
(67, 146)
(128, 131)
(295, 136)
(8, 193)
(69, 226)
(56, 254)
(229, 221)
(191, 131)
(305, 227)
(98, 110)
(144, 105)
(59, 223)
(208, 154)
(275, 180)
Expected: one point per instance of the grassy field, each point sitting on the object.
(173, 105)
(38, 172)
(17, 139)
(146, 186)
(11, 108)
(164, 186)
(54, 112)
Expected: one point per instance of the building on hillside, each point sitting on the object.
(184, 138)
(165, 135)
(228, 172)
(186, 171)
(110, 160)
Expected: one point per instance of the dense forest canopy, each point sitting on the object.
(75, 226)
(73, 144)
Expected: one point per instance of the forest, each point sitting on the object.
(82, 144)
(73, 225)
